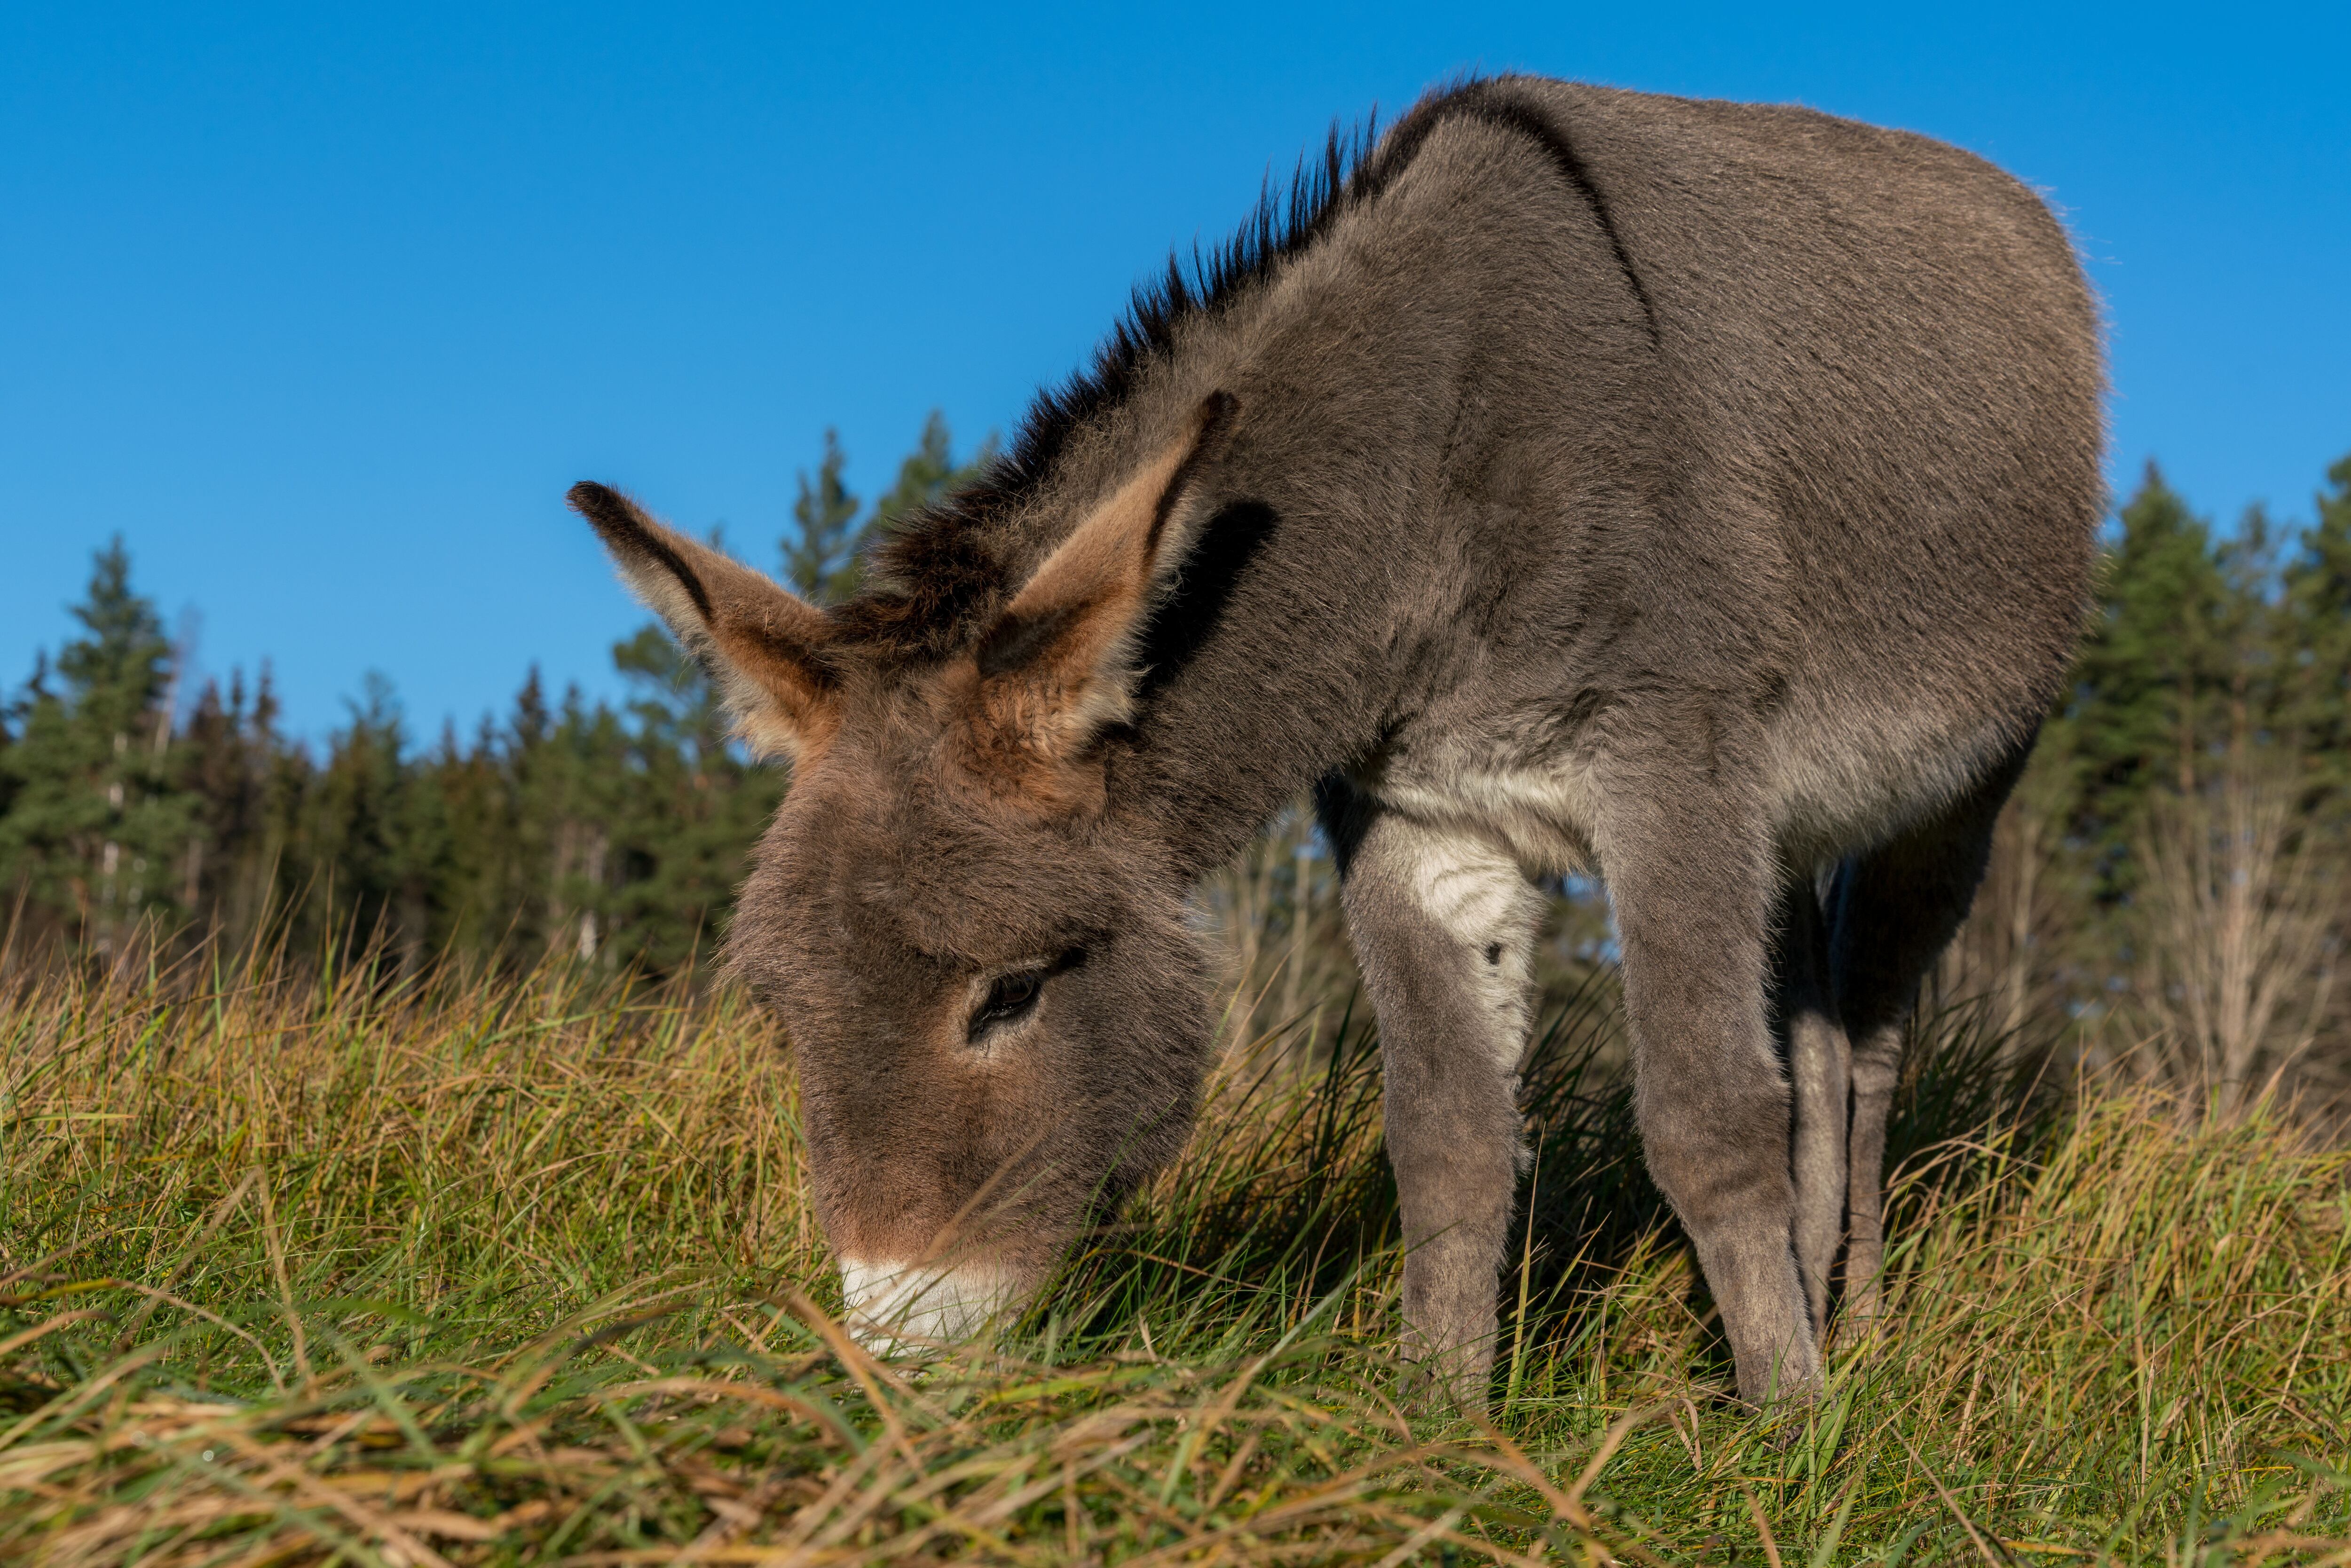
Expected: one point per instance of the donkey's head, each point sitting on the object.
(994, 1001)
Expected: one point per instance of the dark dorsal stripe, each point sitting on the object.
(1487, 103)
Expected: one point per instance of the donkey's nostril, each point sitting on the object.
(906, 1307)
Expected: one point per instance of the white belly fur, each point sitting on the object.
(1832, 792)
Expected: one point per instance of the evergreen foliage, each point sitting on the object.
(2154, 651)
(824, 556)
(95, 824)
(614, 834)
(821, 553)
(2213, 660)
(2317, 706)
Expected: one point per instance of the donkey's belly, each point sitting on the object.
(1829, 789)
(1838, 788)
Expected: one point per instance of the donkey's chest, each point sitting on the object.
(1544, 811)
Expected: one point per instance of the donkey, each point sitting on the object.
(1694, 493)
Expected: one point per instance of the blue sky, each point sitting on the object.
(322, 308)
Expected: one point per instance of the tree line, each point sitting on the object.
(132, 813)
(2170, 876)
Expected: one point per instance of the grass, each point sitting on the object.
(455, 1270)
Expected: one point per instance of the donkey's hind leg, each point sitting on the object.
(1820, 1070)
(1892, 913)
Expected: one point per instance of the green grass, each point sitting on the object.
(468, 1271)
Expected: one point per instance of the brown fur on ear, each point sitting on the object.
(1058, 666)
(762, 643)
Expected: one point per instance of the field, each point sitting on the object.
(347, 1267)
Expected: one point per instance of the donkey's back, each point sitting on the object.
(1888, 365)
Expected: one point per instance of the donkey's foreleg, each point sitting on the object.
(1443, 927)
(1691, 879)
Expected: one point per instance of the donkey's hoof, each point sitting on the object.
(1446, 1385)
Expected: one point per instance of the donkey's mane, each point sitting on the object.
(937, 574)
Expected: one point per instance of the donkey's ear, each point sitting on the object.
(759, 643)
(1059, 664)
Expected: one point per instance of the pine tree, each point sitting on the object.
(533, 787)
(95, 827)
(2145, 704)
(217, 763)
(928, 473)
(479, 880)
(684, 840)
(359, 832)
(821, 555)
(824, 556)
(2316, 704)
(8, 781)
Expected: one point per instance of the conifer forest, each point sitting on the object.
(132, 811)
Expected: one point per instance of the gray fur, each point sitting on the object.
(1694, 492)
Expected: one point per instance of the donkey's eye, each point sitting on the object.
(1012, 999)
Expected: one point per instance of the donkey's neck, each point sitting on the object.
(1283, 653)
(1447, 407)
